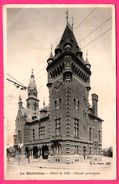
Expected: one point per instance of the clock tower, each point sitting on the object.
(69, 85)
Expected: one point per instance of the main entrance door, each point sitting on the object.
(45, 152)
(35, 152)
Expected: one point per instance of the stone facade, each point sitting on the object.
(69, 127)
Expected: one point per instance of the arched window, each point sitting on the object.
(84, 128)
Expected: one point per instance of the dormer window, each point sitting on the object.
(67, 47)
(58, 103)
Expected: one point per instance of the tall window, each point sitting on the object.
(55, 104)
(60, 101)
(84, 128)
(57, 126)
(35, 106)
(84, 114)
(84, 100)
(76, 103)
(28, 105)
(90, 151)
(76, 127)
(99, 135)
(99, 151)
(76, 149)
(41, 132)
(90, 134)
(19, 136)
(33, 134)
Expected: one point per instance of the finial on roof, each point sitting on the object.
(87, 54)
(32, 73)
(67, 16)
(51, 47)
(44, 102)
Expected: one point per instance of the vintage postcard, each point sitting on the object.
(60, 92)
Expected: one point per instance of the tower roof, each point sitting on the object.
(32, 83)
(32, 89)
(68, 38)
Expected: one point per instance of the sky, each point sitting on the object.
(29, 33)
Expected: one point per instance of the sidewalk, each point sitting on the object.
(40, 163)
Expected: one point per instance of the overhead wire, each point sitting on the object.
(14, 78)
(80, 40)
(24, 81)
(94, 29)
(96, 38)
(83, 20)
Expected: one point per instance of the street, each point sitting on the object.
(41, 169)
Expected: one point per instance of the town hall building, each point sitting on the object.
(69, 128)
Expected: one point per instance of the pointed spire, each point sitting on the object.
(50, 59)
(86, 61)
(51, 54)
(32, 89)
(67, 16)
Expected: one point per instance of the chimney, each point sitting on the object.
(95, 104)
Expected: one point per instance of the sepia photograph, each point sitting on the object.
(59, 92)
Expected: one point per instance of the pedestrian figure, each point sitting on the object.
(19, 155)
(28, 156)
(8, 154)
(84, 156)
